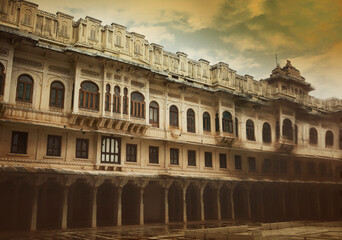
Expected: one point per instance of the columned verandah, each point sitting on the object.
(35, 203)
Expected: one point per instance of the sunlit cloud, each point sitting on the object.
(154, 34)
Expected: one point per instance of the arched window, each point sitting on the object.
(89, 96)
(266, 133)
(118, 39)
(154, 114)
(329, 139)
(217, 121)
(57, 95)
(287, 129)
(206, 122)
(125, 101)
(190, 116)
(24, 88)
(313, 136)
(116, 100)
(173, 116)
(227, 122)
(236, 127)
(2, 79)
(250, 130)
(137, 105)
(107, 98)
(92, 33)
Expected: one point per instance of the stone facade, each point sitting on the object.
(101, 128)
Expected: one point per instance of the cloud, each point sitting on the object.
(324, 71)
(154, 34)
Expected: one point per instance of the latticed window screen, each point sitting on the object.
(110, 150)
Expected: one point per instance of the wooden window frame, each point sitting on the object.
(329, 139)
(57, 92)
(208, 159)
(137, 107)
(173, 116)
(250, 130)
(95, 95)
(266, 133)
(107, 99)
(174, 156)
(192, 158)
(24, 88)
(190, 120)
(80, 152)
(313, 136)
(21, 146)
(287, 129)
(131, 152)
(154, 114)
(223, 160)
(117, 100)
(227, 122)
(108, 152)
(125, 102)
(206, 122)
(153, 155)
(54, 150)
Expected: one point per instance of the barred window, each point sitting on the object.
(131, 152)
(190, 120)
(206, 122)
(19, 142)
(250, 130)
(227, 122)
(208, 159)
(82, 146)
(174, 156)
(154, 155)
(174, 116)
(54, 145)
(238, 163)
(266, 133)
(191, 158)
(223, 160)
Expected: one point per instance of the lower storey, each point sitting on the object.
(59, 201)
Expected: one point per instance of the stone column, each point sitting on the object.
(166, 191)
(184, 204)
(296, 202)
(283, 203)
(232, 202)
(249, 202)
(119, 219)
(261, 204)
(141, 206)
(319, 213)
(94, 208)
(202, 203)
(218, 204)
(33, 225)
(65, 207)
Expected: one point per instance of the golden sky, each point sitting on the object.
(246, 34)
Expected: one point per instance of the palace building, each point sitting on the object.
(99, 127)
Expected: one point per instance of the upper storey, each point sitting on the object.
(87, 36)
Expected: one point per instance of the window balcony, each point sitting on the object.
(284, 145)
(108, 123)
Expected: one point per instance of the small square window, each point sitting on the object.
(154, 154)
(131, 152)
(19, 142)
(191, 158)
(174, 156)
(238, 163)
(82, 146)
(208, 160)
(223, 160)
(251, 164)
(54, 145)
